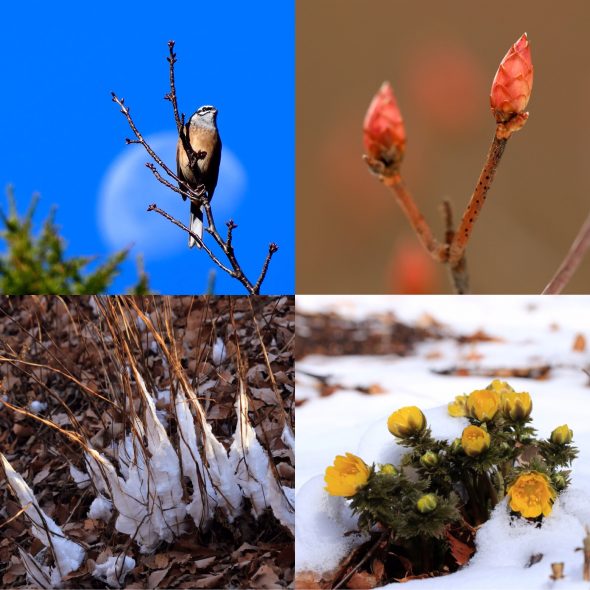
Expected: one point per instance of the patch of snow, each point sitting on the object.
(220, 469)
(204, 497)
(148, 498)
(322, 524)
(288, 437)
(253, 470)
(68, 555)
(37, 574)
(218, 354)
(82, 479)
(162, 416)
(114, 570)
(37, 407)
(163, 396)
(101, 508)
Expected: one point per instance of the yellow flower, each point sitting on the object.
(458, 407)
(406, 422)
(516, 406)
(475, 441)
(562, 435)
(531, 495)
(499, 386)
(427, 503)
(483, 404)
(346, 476)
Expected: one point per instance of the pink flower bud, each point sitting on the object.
(512, 85)
(384, 135)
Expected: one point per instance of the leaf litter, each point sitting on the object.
(144, 398)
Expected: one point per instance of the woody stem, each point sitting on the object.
(407, 204)
(458, 272)
(476, 202)
(571, 262)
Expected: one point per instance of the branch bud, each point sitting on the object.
(384, 134)
(511, 88)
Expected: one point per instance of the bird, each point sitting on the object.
(203, 135)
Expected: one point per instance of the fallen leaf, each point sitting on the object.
(264, 578)
(362, 581)
(161, 560)
(307, 581)
(204, 563)
(211, 581)
(579, 343)
(156, 577)
(378, 568)
(460, 551)
(41, 475)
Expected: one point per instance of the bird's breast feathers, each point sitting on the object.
(205, 140)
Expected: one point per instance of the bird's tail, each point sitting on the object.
(196, 225)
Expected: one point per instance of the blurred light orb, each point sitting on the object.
(128, 187)
(447, 84)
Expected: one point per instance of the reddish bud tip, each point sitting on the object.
(512, 85)
(384, 135)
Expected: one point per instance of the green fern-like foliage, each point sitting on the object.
(391, 501)
(37, 264)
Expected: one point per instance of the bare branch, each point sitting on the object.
(272, 248)
(438, 251)
(458, 272)
(571, 261)
(171, 96)
(198, 195)
(140, 139)
(230, 231)
(477, 200)
(154, 207)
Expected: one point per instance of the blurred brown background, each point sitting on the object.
(441, 59)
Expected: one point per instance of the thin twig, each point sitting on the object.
(154, 207)
(272, 248)
(230, 231)
(477, 200)
(199, 192)
(571, 261)
(419, 224)
(171, 96)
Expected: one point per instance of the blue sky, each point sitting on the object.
(64, 138)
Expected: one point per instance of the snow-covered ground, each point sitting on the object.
(532, 331)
